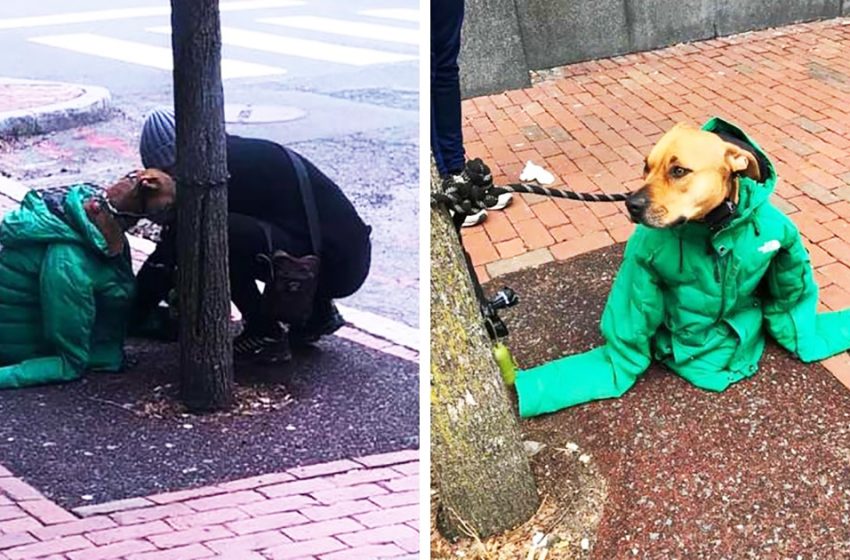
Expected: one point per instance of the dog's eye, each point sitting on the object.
(677, 172)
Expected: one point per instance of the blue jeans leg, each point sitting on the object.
(446, 132)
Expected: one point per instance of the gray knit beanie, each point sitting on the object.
(158, 146)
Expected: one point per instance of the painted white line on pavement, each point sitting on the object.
(145, 55)
(130, 13)
(303, 48)
(390, 34)
(13, 189)
(370, 323)
(389, 13)
(382, 327)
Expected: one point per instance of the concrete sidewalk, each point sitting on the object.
(591, 124)
(360, 508)
(36, 107)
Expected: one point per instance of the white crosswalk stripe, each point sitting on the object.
(145, 55)
(385, 43)
(129, 13)
(392, 13)
(305, 48)
(388, 33)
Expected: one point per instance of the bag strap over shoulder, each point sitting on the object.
(305, 186)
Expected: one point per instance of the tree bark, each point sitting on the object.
(206, 358)
(481, 470)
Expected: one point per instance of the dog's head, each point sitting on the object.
(146, 193)
(687, 174)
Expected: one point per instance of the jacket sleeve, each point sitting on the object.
(68, 308)
(790, 308)
(634, 311)
(114, 294)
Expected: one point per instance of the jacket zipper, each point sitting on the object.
(720, 277)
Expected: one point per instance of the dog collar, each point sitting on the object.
(718, 218)
(103, 199)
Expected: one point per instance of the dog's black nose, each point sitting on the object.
(636, 204)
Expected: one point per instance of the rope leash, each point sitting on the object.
(557, 193)
(479, 192)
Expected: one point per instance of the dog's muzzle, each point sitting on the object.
(161, 216)
(636, 204)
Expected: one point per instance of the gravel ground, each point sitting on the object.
(99, 438)
(761, 470)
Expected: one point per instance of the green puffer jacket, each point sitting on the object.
(63, 301)
(699, 302)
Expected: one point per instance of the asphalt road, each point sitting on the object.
(357, 97)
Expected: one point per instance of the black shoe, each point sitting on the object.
(326, 319)
(269, 347)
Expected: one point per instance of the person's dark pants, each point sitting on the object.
(247, 239)
(339, 276)
(446, 132)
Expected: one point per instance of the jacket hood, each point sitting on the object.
(752, 193)
(35, 223)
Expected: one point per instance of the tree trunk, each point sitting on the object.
(206, 358)
(481, 470)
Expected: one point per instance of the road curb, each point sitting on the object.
(93, 105)
(382, 334)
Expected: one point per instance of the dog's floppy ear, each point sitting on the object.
(152, 180)
(742, 161)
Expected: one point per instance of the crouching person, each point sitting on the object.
(289, 226)
(66, 280)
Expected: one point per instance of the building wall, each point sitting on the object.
(505, 39)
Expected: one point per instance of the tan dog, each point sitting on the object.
(687, 174)
(146, 193)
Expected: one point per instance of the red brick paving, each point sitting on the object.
(17, 96)
(375, 514)
(591, 124)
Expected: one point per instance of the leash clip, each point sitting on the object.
(496, 327)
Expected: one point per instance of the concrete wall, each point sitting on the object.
(552, 33)
(492, 57)
(736, 16)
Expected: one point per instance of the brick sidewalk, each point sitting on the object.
(591, 124)
(17, 96)
(350, 509)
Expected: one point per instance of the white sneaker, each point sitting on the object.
(503, 201)
(475, 219)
